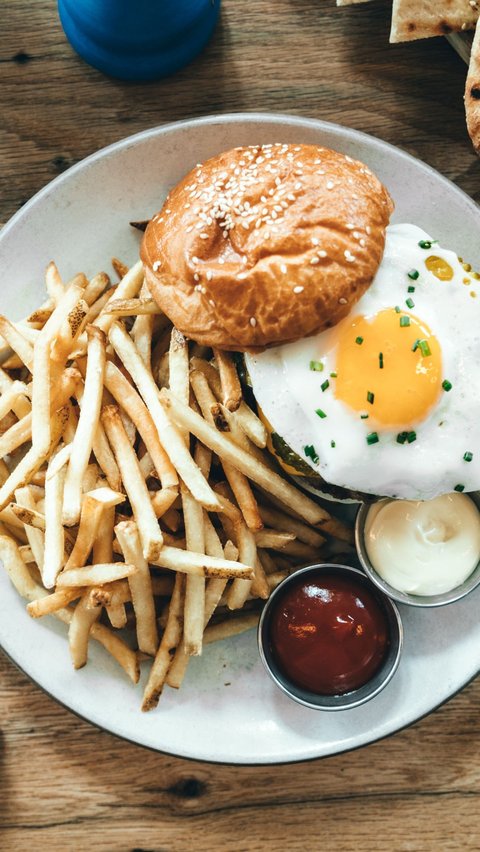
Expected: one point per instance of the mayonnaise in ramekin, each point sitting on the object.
(424, 548)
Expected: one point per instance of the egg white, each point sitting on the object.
(289, 393)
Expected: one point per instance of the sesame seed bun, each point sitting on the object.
(265, 245)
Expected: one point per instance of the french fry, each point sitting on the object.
(202, 565)
(105, 458)
(33, 459)
(94, 575)
(213, 592)
(260, 474)
(83, 440)
(127, 289)
(273, 539)
(332, 526)
(23, 514)
(49, 604)
(248, 420)
(167, 647)
(128, 398)
(35, 536)
(120, 268)
(95, 288)
(54, 283)
(162, 500)
(82, 621)
(21, 406)
(117, 614)
(18, 571)
(247, 552)
(10, 397)
(140, 587)
(232, 627)
(134, 483)
(281, 521)
(170, 437)
(133, 307)
(238, 481)
(194, 615)
(231, 389)
(17, 342)
(103, 544)
(119, 650)
(42, 392)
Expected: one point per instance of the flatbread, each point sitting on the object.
(412, 19)
(472, 92)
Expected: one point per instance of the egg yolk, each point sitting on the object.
(388, 366)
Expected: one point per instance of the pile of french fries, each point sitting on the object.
(137, 502)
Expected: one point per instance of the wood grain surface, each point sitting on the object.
(64, 785)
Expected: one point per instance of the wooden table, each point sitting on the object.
(65, 785)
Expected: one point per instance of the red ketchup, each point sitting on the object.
(328, 634)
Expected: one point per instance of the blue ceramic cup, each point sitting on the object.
(138, 39)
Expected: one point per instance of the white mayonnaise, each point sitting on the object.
(424, 548)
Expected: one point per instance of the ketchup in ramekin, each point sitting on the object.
(328, 638)
(329, 633)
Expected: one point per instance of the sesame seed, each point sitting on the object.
(209, 275)
(314, 260)
(362, 243)
(241, 276)
(196, 276)
(204, 236)
(330, 184)
(283, 268)
(298, 289)
(322, 253)
(253, 322)
(156, 265)
(349, 257)
(368, 229)
(211, 302)
(298, 185)
(190, 228)
(315, 241)
(342, 301)
(195, 259)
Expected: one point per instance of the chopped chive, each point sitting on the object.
(332, 443)
(320, 413)
(411, 437)
(402, 437)
(404, 321)
(333, 375)
(459, 488)
(416, 345)
(468, 457)
(311, 453)
(317, 366)
(425, 244)
(413, 274)
(411, 289)
(380, 360)
(424, 348)
(372, 438)
(370, 397)
(359, 340)
(325, 385)
(410, 303)
(398, 309)
(446, 385)
(364, 417)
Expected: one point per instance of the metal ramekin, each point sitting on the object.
(453, 595)
(349, 699)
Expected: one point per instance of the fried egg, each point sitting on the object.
(387, 402)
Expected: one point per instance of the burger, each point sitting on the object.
(356, 335)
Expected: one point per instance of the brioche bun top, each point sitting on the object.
(264, 245)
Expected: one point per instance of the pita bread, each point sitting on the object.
(412, 19)
(472, 92)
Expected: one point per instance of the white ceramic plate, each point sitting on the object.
(228, 710)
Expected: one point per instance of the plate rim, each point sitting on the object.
(157, 131)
